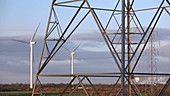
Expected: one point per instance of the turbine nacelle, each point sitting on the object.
(32, 42)
(72, 53)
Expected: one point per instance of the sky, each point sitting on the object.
(19, 19)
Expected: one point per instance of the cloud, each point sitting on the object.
(164, 48)
(91, 56)
(9, 77)
(162, 33)
(88, 36)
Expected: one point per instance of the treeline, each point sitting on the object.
(14, 87)
(25, 87)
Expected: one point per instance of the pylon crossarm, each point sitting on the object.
(66, 2)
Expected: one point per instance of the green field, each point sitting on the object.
(15, 93)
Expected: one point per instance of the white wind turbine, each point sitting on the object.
(31, 43)
(72, 53)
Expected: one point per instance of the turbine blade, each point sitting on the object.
(76, 48)
(21, 41)
(66, 49)
(32, 38)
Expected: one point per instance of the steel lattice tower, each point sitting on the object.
(152, 52)
(126, 43)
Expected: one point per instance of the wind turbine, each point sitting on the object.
(72, 53)
(31, 43)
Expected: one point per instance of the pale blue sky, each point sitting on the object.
(22, 16)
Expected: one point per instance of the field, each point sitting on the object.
(16, 93)
(56, 89)
(28, 93)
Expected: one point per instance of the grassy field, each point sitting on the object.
(16, 93)
(28, 93)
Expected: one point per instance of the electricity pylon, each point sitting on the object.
(124, 20)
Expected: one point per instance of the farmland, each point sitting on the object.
(56, 90)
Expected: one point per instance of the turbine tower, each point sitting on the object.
(31, 46)
(72, 53)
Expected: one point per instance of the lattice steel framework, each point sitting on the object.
(126, 52)
(152, 52)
